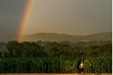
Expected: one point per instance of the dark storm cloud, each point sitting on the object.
(59, 16)
(10, 15)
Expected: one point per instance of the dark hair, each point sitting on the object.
(81, 61)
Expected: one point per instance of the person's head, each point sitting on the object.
(81, 62)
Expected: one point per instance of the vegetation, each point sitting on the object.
(54, 57)
(38, 49)
(56, 65)
(51, 37)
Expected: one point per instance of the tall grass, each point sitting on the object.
(56, 65)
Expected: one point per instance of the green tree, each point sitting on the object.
(0, 54)
(11, 46)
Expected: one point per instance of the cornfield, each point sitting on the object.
(62, 64)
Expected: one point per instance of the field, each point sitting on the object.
(55, 65)
(55, 74)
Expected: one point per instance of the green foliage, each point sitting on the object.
(24, 49)
(0, 54)
(33, 49)
(53, 57)
(56, 65)
(6, 55)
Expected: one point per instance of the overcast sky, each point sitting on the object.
(78, 17)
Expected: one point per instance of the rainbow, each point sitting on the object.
(25, 19)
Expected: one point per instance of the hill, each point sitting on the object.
(106, 36)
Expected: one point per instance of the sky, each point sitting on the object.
(76, 17)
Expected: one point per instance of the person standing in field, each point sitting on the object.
(81, 66)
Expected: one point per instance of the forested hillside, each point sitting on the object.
(54, 37)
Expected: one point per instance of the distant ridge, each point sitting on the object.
(105, 36)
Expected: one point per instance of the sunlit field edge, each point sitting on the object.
(54, 74)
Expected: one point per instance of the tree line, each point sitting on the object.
(36, 49)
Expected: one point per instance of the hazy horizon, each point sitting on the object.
(75, 17)
(54, 33)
